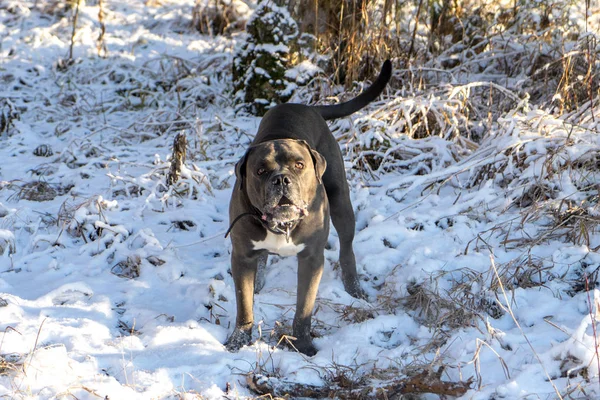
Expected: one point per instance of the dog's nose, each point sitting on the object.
(281, 180)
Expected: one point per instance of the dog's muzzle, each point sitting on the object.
(284, 211)
(284, 208)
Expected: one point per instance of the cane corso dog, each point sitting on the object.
(288, 184)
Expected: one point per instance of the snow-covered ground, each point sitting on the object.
(116, 286)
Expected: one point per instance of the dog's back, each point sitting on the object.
(298, 121)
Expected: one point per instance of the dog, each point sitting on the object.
(289, 183)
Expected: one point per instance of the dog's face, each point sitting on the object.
(280, 178)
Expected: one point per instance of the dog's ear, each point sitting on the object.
(240, 168)
(320, 164)
(318, 161)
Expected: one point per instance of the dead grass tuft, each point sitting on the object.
(128, 329)
(11, 363)
(438, 311)
(129, 268)
(571, 367)
(345, 376)
(576, 222)
(425, 132)
(526, 272)
(572, 74)
(356, 315)
(586, 277)
(35, 191)
(155, 124)
(86, 220)
(7, 243)
(534, 194)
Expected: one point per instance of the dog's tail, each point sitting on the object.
(349, 107)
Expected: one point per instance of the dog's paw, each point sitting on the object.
(305, 347)
(360, 294)
(354, 290)
(238, 339)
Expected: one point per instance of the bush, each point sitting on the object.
(259, 69)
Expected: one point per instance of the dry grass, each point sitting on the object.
(459, 73)
(576, 222)
(129, 268)
(461, 306)
(128, 329)
(7, 244)
(534, 194)
(441, 40)
(10, 364)
(345, 376)
(526, 272)
(457, 309)
(34, 191)
(356, 314)
(78, 218)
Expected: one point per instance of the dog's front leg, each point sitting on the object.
(243, 270)
(259, 282)
(310, 269)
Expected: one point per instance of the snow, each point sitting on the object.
(118, 286)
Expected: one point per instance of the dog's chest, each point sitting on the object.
(277, 244)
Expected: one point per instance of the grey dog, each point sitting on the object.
(289, 182)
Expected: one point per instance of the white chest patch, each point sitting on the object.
(278, 245)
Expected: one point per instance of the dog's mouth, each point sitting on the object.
(284, 213)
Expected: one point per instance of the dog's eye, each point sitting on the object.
(299, 164)
(261, 171)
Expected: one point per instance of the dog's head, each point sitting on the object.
(280, 178)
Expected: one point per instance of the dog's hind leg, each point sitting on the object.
(342, 216)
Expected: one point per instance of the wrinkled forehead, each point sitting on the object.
(279, 151)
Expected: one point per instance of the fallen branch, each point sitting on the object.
(424, 382)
